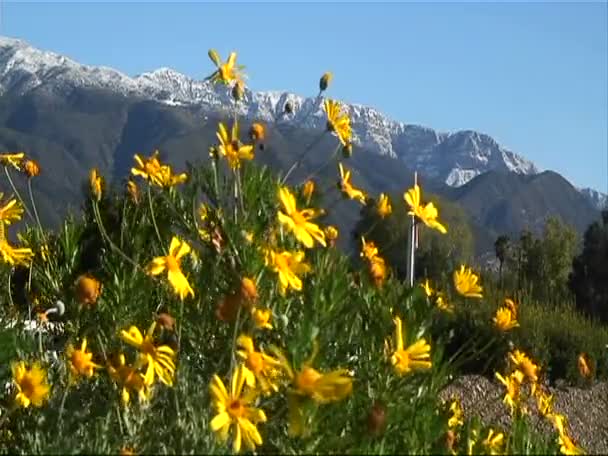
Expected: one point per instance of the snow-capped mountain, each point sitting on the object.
(454, 158)
(599, 200)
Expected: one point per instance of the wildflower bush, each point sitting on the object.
(209, 311)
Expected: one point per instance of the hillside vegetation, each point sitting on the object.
(208, 310)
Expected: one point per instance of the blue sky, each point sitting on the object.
(532, 75)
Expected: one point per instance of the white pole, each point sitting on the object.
(413, 242)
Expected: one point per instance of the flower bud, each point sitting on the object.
(214, 56)
(31, 168)
(347, 150)
(376, 419)
(325, 80)
(257, 132)
(213, 153)
(88, 289)
(288, 108)
(308, 189)
(166, 321)
(238, 91)
(248, 289)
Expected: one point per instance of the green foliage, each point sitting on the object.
(437, 254)
(589, 279)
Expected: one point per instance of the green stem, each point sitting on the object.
(234, 336)
(29, 190)
(17, 194)
(153, 216)
(320, 168)
(299, 160)
(104, 234)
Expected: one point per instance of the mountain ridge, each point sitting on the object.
(454, 157)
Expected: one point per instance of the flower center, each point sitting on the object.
(307, 379)
(298, 218)
(255, 362)
(281, 263)
(172, 263)
(236, 408)
(27, 386)
(80, 360)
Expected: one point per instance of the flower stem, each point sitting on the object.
(29, 190)
(104, 234)
(17, 194)
(153, 216)
(299, 160)
(320, 168)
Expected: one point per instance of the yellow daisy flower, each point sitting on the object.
(129, 380)
(11, 211)
(261, 318)
(260, 366)
(14, 255)
(298, 221)
(80, 361)
(231, 148)
(288, 266)
(504, 320)
(427, 213)
(415, 357)
(346, 187)
(466, 284)
(14, 160)
(523, 363)
(383, 206)
(171, 263)
(96, 184)
(30, 168)
(226, 72)
(159, 359)
(31, 384)
(234, 410)
(338, 122)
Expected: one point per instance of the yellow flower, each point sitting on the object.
(512, 306)
(234, 409)
(443, 305)
(331, 235)
(129, 380)
(465, 283)
(227, 72)
(337, 122)
(427, 213)
(80, 361)
(325, 80)
(368, 249)
(249, 290)
(544, 402)
(96, 184)
(11, 211)
(513, 385)
(525, 365)
(31, 384)
(383, 206)
(288, 266)
(88, 289)
(298, 222)
(159, 359)
(14, 255)
(308, 189)
(567, 446)
(148, 168)
(165, 178)
(377, 271)
(261, 318)
(260, 366)
(559, 422)
(231, 148)
(257, 132)
(456, 420)
(133, 191)
(426, 286)
(14, 160)
(584, 366)
(346, 187)
(308, 382)
(415, 357)
(494, 441)
(30, 168)
(504, 320)
(171, 263)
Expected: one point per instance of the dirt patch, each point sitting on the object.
(586, 409)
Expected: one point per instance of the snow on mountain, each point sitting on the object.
(599, 200)
(454, 158)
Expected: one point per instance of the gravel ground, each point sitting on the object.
(585, 409)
